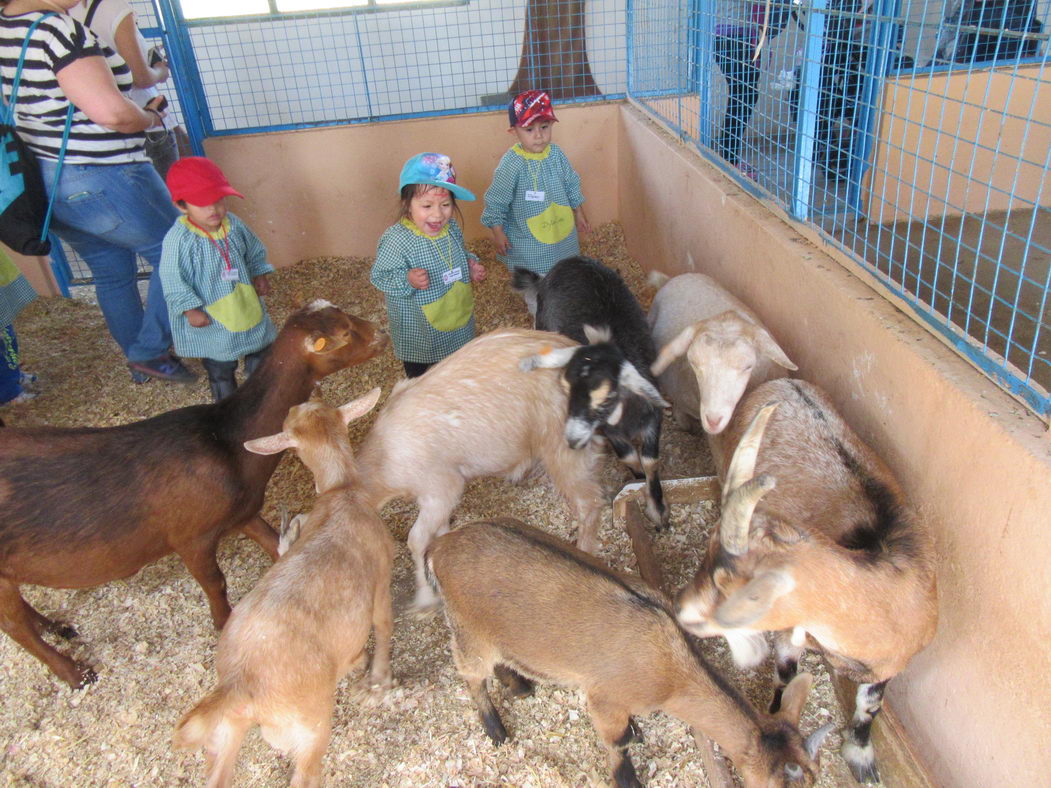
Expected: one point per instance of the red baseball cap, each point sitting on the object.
(529, 107)
(198, 181)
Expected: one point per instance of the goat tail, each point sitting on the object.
(657, 279)
(199, 724)
(524, 281)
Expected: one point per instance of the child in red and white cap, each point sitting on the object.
(534, 206)
(213, 270)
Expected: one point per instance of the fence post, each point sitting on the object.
(806, 125)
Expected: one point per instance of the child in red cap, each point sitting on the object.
(534, 205)
(213, 270)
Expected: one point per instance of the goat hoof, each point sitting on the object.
(87, 676)
(861, 760)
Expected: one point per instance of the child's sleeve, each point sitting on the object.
(572, 181)
(175, 272)
(390, 271)
(499, 195)
(255, 253)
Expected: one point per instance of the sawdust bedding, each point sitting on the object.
(151, 640)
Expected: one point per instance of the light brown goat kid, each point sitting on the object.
(306, 623)
(527, 605)
(830, 559)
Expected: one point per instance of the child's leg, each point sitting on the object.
(220, 377)
(253, 360)
(413, 369)
(10, 385)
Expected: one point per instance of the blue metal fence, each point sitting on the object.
(915, 136)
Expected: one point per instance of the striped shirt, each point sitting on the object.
(525, 186)
(403, 247)
(41, 105)
(191, 272)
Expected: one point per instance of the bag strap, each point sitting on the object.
(9, 106)
(58, 173)
(9, 118)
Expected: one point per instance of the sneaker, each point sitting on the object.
(27, 378)
(25, 396)
(162, 368)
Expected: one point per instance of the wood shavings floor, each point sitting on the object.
(151, 640)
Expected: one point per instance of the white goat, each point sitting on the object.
(728, 350)
(477, 414)
(306, 623)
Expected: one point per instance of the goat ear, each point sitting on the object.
(548, 358)
(675, 348)
(597, 334)
(630, 379)
(769, 348)
(271, 444)
(754, 601)
(359, 407)
(793, 698)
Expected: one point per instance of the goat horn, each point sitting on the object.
(736, 517)
(742, 465)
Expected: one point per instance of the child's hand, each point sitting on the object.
(418, 278)
(197, 318)
(477, 270)
(500, 240)
(582, 221)
(261, 285)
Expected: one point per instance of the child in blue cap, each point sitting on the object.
(423, 268)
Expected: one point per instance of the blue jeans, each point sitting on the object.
(10, 385)
(109, 213)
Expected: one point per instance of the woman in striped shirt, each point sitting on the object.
(110, 203)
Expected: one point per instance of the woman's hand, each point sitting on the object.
(418, 278)
(197, 318)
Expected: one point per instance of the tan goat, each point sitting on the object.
(477, 414)
(306, 623)
(527, 605)
(831, 559)
(728, 350)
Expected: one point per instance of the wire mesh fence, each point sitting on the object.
(914, 136)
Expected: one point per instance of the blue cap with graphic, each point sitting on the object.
(433, 169)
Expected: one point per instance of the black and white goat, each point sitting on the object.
(611, 389)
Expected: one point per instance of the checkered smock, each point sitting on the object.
(191, 275)
(402, 247)
(15, 291)
(506, 205)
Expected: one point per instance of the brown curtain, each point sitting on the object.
(554, 51)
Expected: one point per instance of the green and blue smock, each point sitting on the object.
(532, 197)
(425, 325)
(192, 275)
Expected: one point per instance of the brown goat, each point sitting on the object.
(84, 506)
(477, 414)
(831, 559)
(306, 623)
(529, 606)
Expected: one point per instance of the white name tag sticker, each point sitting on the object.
(229, 275)
(534, 196)
(451, 276)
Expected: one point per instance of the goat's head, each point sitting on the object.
(333, 340)
(599, 380)
(722, 352)
(318, 433)
(784, 759)
(748, 568)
